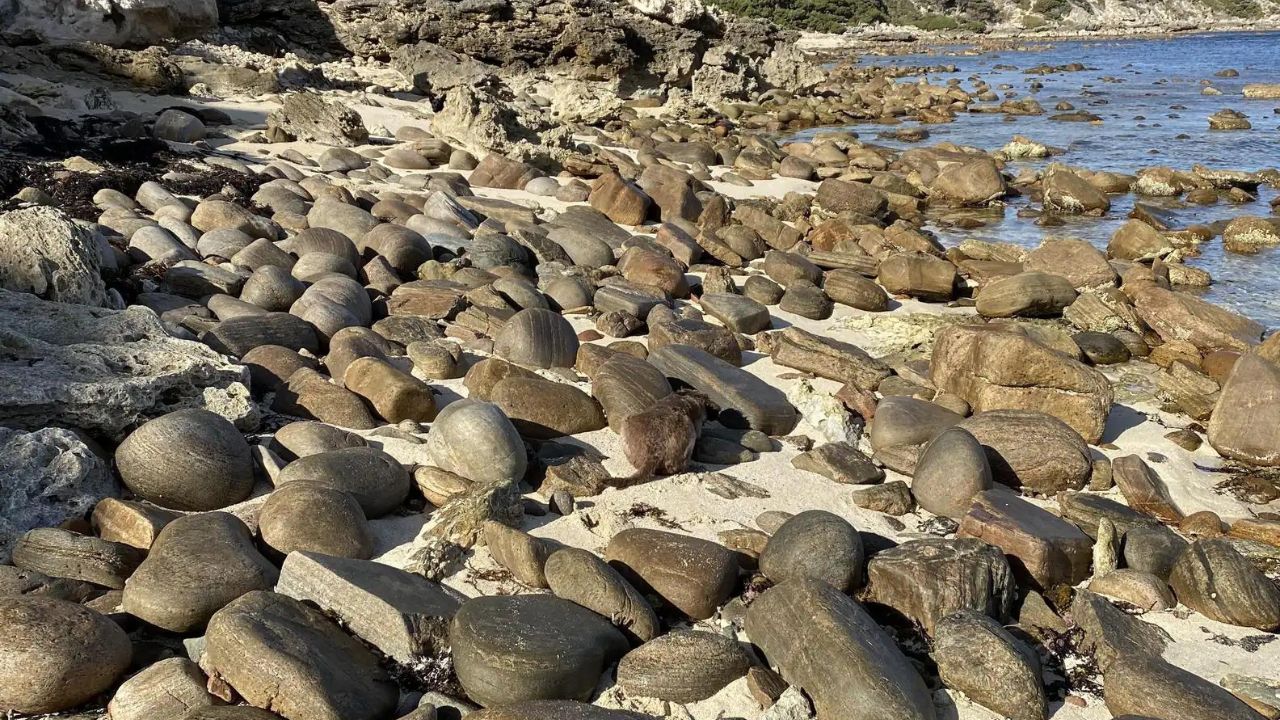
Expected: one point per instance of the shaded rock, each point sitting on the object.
(978, 657)
(743, 399)
(555, 710)
(170, 688)
(317, 671)
(1031, 450)
(1112, 634)
(305, 516)
(375, 479)
(1027, 294)
(840, 462)
(824, 642)
(310, 394)
(64, 554)
(952, 468)
(1213, 578)
(1147, 686)
(901, 420)
(57, 654)
(514, 649)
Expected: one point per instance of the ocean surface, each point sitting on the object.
(1148, 92)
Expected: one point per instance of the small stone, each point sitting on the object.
(840, 462)
(891, 498)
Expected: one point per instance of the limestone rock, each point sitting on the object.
(103, 370)
(43, 252)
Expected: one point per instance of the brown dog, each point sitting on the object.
(660, 440)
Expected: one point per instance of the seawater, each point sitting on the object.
(1148, 93)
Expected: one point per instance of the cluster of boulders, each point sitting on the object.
(165, 565)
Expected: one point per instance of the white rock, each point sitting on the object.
(823, 414)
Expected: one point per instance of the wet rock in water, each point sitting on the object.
(1250, 234)
(555, 710)
(57, 654)
(104, 371)
(1213, 578)
(582, 578)
(404, 616)
(45, 253)
(62, 553)
(683, 666)
(826, 643)
(1027, 294)
(197, 565)
(1019, 373)
(51, 476)
(522, 554)
(317, 670)
(187, 460)
(544, 409)
(513, 649)
(840, 462)
(744, 400)
(692, 575)
(478, 442)
(978, 657)
(539, 338)
(1031, 450)
(375, 479)
(1228, 119)
(1067, 192)
(1044, 548)
(1245, 425)
(1111, 634)
(815, 544)
(170, 688)
(952, 468)
(928, 579)
(310, 517)
(1148, 686)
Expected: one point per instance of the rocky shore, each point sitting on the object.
(505, 361)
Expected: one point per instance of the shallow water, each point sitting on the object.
(1148, 93)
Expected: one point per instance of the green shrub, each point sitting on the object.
(1246, 9)
(936, 22)
(818, 15)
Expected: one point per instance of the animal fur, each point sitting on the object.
(660, 440)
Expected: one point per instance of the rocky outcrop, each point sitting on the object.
(106, 370)
(111, 22)
(50, 476)
(43, 252)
